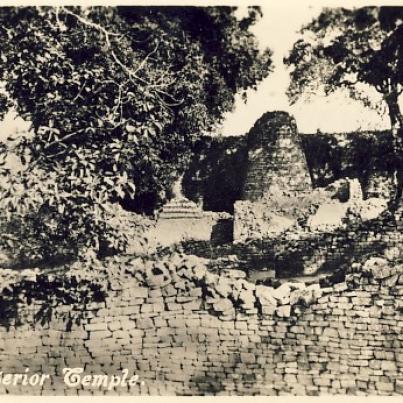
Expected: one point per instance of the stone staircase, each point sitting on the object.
(180, 207)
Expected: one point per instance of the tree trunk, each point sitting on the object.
(396, 120)
(395, 115)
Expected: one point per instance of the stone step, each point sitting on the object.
(181, 208)
(177, 216)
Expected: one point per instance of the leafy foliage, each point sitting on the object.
(216, 172)
(346, 48)
(39, 293)
(355, 49)
(116, 97)
(355, 155)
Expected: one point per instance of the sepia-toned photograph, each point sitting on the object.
(201, 200)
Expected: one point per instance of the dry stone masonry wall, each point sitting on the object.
(276, 161)
(186, 331)
(276, 169)
(180, 326)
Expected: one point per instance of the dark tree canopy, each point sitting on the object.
(343, 48)
(116, 98)
(353, 49)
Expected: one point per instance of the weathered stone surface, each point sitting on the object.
(333, 215)
(371, 208)
(377, 266)
(276, 159)
(393, 253)
(247, 297)
(223, 305)
(283, 311)
(295, 296)
(277, 173)
(282, 293)
(328, 217)
(235, 274)
(255, 220)
(399, 386)
(187, 339)
(223, 287)
(265, 295)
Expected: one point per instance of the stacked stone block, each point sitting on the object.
(276, 172)
(203, 333)
(276, 161)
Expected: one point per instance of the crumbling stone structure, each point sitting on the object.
(182, 219)
(276, 161)
(186, 331)
(277, 174)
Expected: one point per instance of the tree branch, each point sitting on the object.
(144, 61)
(63, 139)
(132, 74)
(107, 35)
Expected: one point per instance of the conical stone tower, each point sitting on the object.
(276, 180)
(276, 161)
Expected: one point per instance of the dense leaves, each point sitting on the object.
(354, 49)
(343, 48)
(116, 97)
(216, 172)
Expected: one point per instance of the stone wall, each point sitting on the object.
(258, 220)
(316, 231)
(219, 164)
(294, 252)
(187, 331)
(210, 226)
(276, 161)
(277, 173)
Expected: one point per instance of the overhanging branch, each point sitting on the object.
(132, 74)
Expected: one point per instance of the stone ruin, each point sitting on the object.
(179, 207)
(277, 177)
(278, 191)
(276, 161)
(279, 203)
(182, 219)
(277, 171)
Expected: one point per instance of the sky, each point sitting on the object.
(278, 30)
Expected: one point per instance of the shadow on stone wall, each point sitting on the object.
(292, 252)
(218, 168)
(236, 339)
(222, 232)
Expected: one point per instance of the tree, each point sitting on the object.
(351, 49)
(115, 97)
